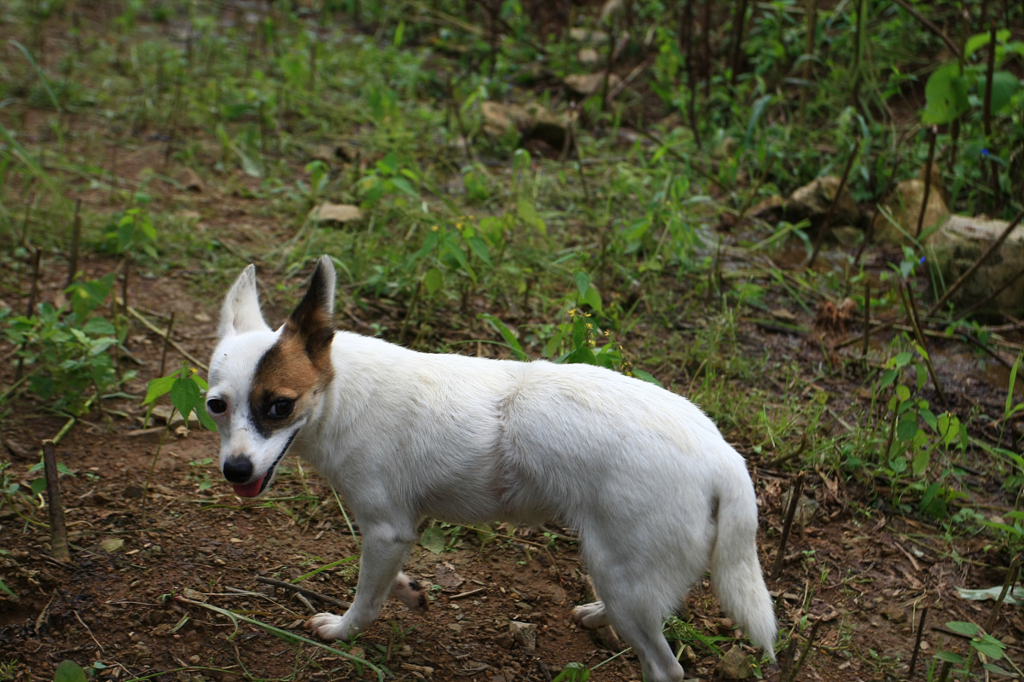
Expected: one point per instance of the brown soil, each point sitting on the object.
(866, 573)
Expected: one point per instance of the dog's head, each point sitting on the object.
(266, 385)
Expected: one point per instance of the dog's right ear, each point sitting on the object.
(241, 311)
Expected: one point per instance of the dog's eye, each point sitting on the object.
(281, 408)
(216, 405)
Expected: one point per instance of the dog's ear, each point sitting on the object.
(312, 319)
(241, 311)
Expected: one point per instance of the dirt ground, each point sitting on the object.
(866, 573)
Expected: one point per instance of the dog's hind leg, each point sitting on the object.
(385, 549)
(591, 616)
(639, 623)
(410, 592)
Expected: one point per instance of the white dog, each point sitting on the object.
(656, 493)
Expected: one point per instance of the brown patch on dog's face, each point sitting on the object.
(298, 366)
(285, 382)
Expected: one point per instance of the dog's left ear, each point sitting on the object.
(312, 319)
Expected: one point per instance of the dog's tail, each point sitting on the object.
(735, 570)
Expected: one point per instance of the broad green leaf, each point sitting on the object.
(975, 43)
(946, 95)
(528, 213)
(901, 360)
(1004, 86)
(69, 671)
(185, 396)
(403, 186)
(963, 628)
(907, 427)
(949, 657)
(902, 392)
(993, 668)
(582, 282)
(479, 247)
(921, 461)
(579, 332)
(593, 299)
(990, 646)
(99, 326)
(38, 485)
(159, 387)
(433, 280)
(581, 356)
(898, 464)
(646, 376)
(506, 333)
(433, 540)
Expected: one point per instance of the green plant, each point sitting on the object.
(131, 231)
(573, 672)
(64, 354)
(981, 643)
(69, 671)
(185, 388)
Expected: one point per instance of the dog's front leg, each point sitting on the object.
(385, 549)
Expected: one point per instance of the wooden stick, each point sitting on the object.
(803, 654)
(174, 344)
(787, 526)
(915, 324)
(58, 533)
(832, 207)
(867, 317)
(927, 180)
(932, 27)
(304, 590)
(1011, 576)
(167, 339)
(76, 239)
(917, 642)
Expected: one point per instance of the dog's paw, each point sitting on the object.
(330, 627)
(591, 616)
(411, 593)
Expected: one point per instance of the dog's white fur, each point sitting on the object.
(656, 493)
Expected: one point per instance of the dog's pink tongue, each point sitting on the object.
(249, 489)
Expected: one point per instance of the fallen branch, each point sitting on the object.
(159, 332)
(305, 591)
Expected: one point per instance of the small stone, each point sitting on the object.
(189, 593)
(785, 316)
(202, 317)
(338, 213)
(455, 627)
(583, 35)
(112, 545)
(524, 634)
(190, 180)
(1009, 640)
(447, 578)
(194, 660)
(813, 199)
(585, 84)
(588, 56)
(734, 665)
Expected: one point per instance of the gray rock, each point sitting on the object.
(960, 242)
(523, 634)
(531, 121)
(734, 665)
(812, 201)
(902, 209)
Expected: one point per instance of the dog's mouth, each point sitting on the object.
(254, 488)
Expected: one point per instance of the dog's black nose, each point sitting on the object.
(238, 469)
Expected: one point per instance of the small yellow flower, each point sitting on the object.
(589, 326)
(572, 312)
(433, 228)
